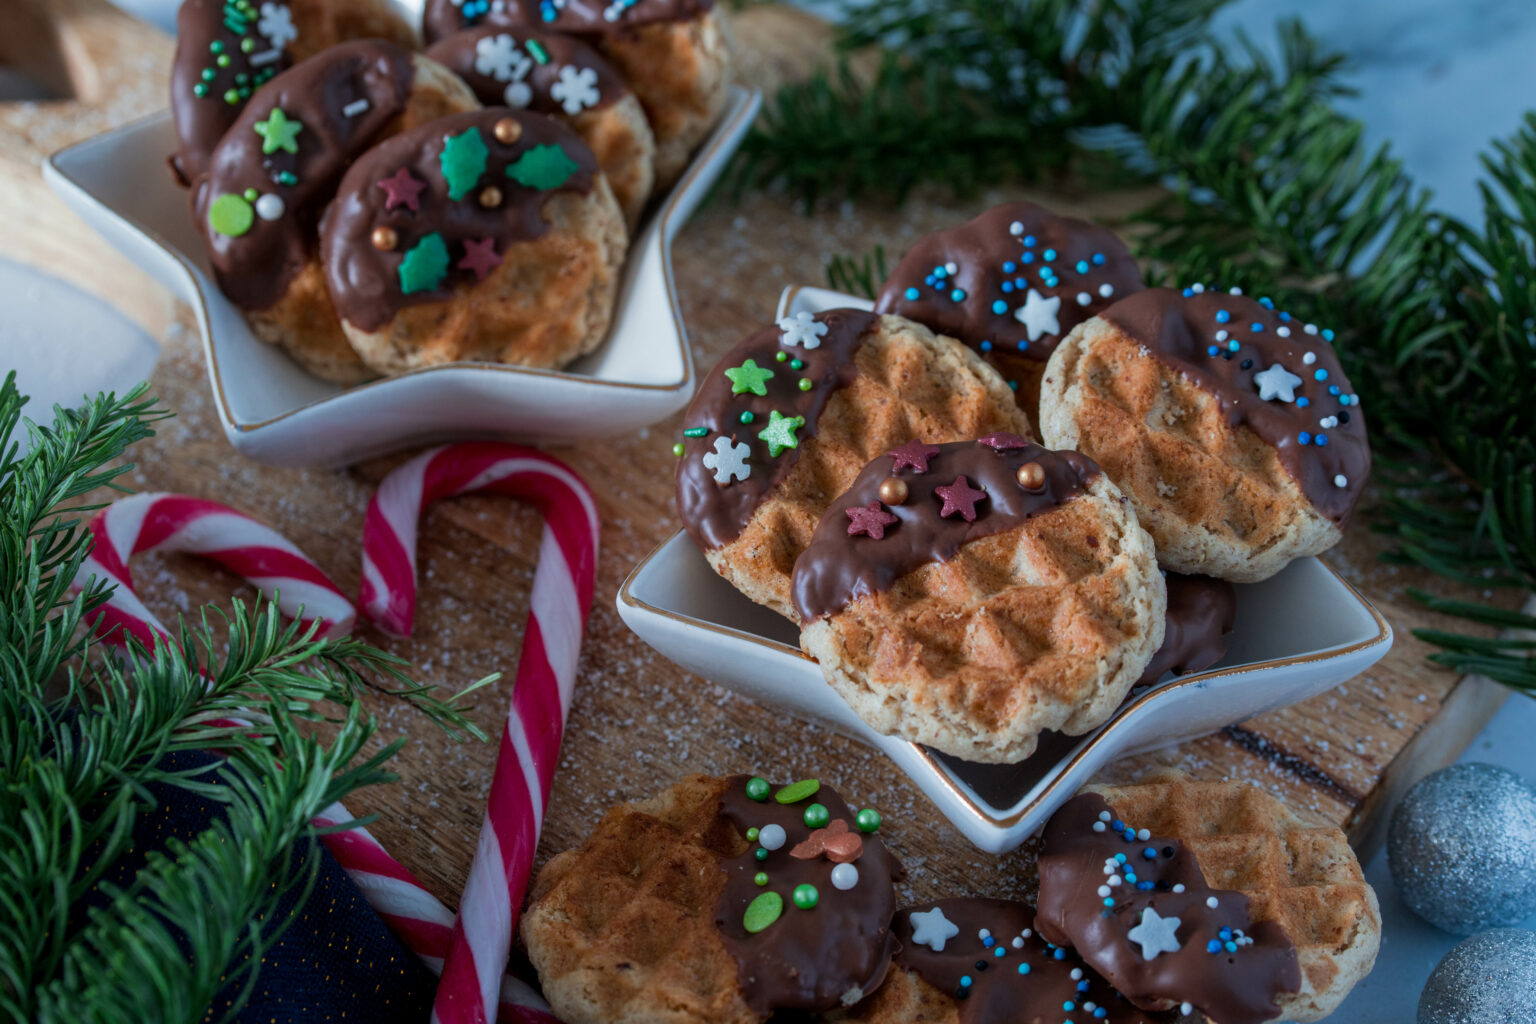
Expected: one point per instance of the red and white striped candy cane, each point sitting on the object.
(541, 693)
(175, 522)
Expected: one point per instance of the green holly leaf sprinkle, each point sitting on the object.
(425, 266)
(762, 912)
(797, 791)
(279, 132)
(780, 432)
(463, 162)
(543, 168)
(749, 377)
(231, 215)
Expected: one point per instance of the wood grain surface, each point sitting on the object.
(638, 722)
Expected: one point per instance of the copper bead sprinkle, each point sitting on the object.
(507, 131)
(385, 239)
(893, 490)
(490, 198)
(1031, 476)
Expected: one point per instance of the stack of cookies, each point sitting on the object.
(370, 216)
(729, 900)
(967, 582)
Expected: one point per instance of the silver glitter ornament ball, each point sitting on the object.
(1487, 979)
(1462, 849)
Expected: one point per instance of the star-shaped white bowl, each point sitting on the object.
(1298, 634)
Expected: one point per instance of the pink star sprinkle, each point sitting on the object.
(869, 520)
(914, 454)
(480, 257)
(959, 497)
(1003, 441)
(402, 190)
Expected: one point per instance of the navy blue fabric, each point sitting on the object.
(336, 960)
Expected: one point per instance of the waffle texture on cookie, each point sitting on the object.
(1229, 424)
(1011, 284)
(1208, 893)
(793, 413)
(971, 595)
(718, 902)
(979, 961)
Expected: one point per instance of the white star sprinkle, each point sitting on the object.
(576, 90)
(1277, 382)
(276, 24)
(1038, 315)
(1155, 934)
(803, 330)
(728, 460)
(932, 929)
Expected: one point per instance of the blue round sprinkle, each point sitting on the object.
(1225, 933)
(1118, 826)
(1098, 259)
(1267, 302)
(1327, 335)
(1014, 385)
(1256, 327)
(1068, 1005)
(1007, 287)
(1304, 437)
(1023, 968)
(1320, 375)
(1149, 853)
(1020, 283)
(1023, 345)
(1320, 440)
(1189, 293)
(1303, 402)
(957, 295)
(1082, 266)
(1233, 346)
(999, 951)
(913, 294)
(1120, 857)
(1333, 389)
(1213, 350)
(999, 307)
(1100, 1012)
(1222, 316)
(1286, 317)
(1213, 946)
(1060, 954)
(1029, 241)
(965, 981)
(930, 280)
(986, 346)
(1231, 947)
(1009, 267)
(1130, 876)
(1048, 255)
(1028, 257)
(940, 272)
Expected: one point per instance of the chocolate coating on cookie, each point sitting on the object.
(428, 186)
(999, 971)
(1157, 937)
(546, 72)
(956, 493)
(583, 17)
(224, 52)
(293, 143)
(1271, 373)
(806, 958)
(1201, 611)
(728, 414)
(1014, 280)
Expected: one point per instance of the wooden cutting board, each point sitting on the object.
(638, 722)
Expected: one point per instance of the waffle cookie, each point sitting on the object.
(277, 168)
(1011, 284)
(487, 236)
(559, 75)
(1201, 611)
(1229, 425)
(969, 596)
(1210, 894)
(979, 961)
(718, 902)
(792, 414)
(675, 54)
(227, 49)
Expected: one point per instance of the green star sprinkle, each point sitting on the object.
(762, 912)
(543, 168)
(425, 266)
(749, 377)
(231, 215)
(463, 162)
(279, 132)
(780, 432)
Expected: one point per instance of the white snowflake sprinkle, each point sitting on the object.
(576, 89)
(276, 23)
(728, 460)
(803, 330)
(499, 57)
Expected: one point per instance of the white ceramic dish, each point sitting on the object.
(273, 411)
(1297, 635)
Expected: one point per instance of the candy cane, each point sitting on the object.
(168, 522)
(541, 693)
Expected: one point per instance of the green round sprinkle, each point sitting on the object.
(677, 449)
(231, 215)
(251, 195)
(242, 78)
(216, 47)
(761, 854)
(200, 91)
(222, 60)
(245, 92)
(247, 45)
(805, 384)
(817, 816)
(209, 74)
(752, 834)
(761, 878)
(762, 912)
(797, 364)
(231, 96)
(757, 789)
(797, 791)
(781, 356)
(806, 896)
(747, 416)
(868, 820)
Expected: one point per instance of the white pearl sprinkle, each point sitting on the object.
(1186, 1009)
(951, 268)
(1027, 932)
(1077, 974)
(845, 877)
(1103, 890)
(1106, 290)
(1016, 228)
(771, 837)
(1099, 826)
(1083, 298)
(1310, 328)
(984, 934)
(1212, 902)
(270, 207)
(1115, 879)
(1309, 358)
(1328, 422)
(1341, 481)
(1284, 332)
(1144, 835)
(1179, 887)
(1221, 335)
(1104, 816)
(1018, 942)
(1235, 291)
(1197, 288)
